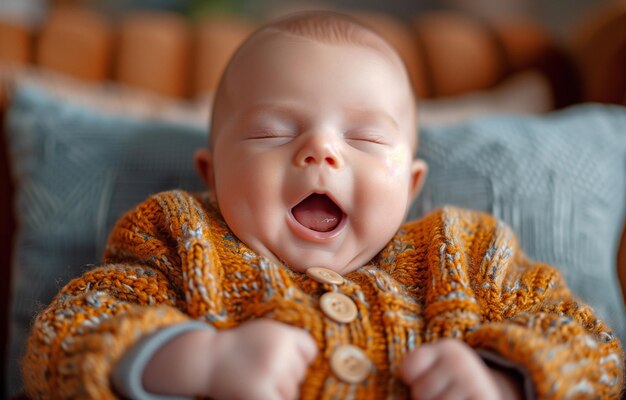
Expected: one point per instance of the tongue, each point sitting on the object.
(318, 212)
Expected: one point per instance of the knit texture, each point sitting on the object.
(558, 180)
(453, 273)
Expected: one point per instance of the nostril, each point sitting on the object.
(309, 160)
(330, 161)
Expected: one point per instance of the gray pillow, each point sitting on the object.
(76, 171)
(558, 180)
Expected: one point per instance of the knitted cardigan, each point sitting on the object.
(453, 273)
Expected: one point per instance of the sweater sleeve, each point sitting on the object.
(128, 372)
(531, 319)
(95, 319)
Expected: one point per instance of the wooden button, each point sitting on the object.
(338, 306)
(350, 364)
(325, 275)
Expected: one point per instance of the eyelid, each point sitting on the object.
(273, 125)
(367, 135)
(270, 134)
(273, 132)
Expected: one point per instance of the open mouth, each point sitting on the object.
(318, 213)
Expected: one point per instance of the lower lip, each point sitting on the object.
(309, 234)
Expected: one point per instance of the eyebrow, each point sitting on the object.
(270, 108)
(375, 116)
(353, 113)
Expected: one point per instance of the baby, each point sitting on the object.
(295, 279)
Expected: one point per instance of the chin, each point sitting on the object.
(297, 268)
(340, 267)
(326, 261)
(306, 258)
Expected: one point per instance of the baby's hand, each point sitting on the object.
(450, 369)
(261, 359)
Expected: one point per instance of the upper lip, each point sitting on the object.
(316, 180)
(320, 192)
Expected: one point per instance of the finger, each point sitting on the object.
(297, 370)
(273, 390)
(287, 390)
(418, 362)
(431, 385)
(456, 391)
(306, 346)
(264, 390)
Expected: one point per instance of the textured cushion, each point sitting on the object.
(76, 171)
(559, 181)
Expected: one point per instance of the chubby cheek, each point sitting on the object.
(390, 179)
(236, 184)
(397, 162)
(382, 195)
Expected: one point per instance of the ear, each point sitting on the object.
(419, 170)
(203, 161)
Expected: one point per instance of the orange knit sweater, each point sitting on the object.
(452, 274)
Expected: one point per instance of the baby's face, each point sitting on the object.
(312, 160)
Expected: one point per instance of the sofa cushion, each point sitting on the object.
(558, 180)
(76, 171)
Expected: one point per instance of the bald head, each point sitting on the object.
(315, 103)
(317, 26)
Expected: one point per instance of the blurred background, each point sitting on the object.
(191, 40)
(558, 15)
(162, 59)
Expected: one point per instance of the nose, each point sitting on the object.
(319, 149)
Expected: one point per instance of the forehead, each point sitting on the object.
(283, 50)
(275, 61)
(281, 67)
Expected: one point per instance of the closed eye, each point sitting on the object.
(366, 140)
(271, 137)
(270, 133)
(371, 139)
